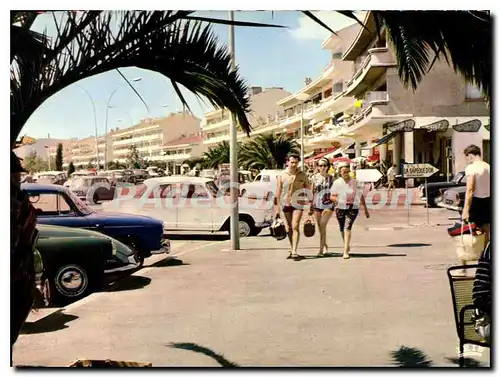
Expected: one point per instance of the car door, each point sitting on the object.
(161, 204)
(54, 208)
(195, 208)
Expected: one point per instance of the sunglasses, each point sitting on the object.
(322, 165)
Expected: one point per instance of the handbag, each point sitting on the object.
(470, 246)
(309, 228)
(278, 229)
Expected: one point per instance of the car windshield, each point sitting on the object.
(212, 187)
(81, 182)
(82, 207)
(457, 177)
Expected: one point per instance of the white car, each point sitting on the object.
(263, 186)
(191, 204)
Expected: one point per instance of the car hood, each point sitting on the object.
(63, 231)
(438, 185)
(118, 218)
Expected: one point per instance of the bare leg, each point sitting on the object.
(325, 217)
(317, 216)
(297, 215)
(347, 243)
(288, 218)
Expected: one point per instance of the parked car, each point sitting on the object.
(93, 188)
(453, 199)
(125, 176)
(193, 204)
(51, 177)
(434, 189)
(140, 175)
(76, 262)
(264, 183)
(57, 205)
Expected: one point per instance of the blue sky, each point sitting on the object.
(266, 57)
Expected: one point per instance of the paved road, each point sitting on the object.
(389, 304)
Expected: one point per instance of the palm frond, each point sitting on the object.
(182, 50)
(266, 151)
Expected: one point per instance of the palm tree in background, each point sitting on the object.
(267, 151)
(217, 155)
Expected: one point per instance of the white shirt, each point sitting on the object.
(481, 171)
(346, 193)
(391, 173)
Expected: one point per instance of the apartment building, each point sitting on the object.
(66, 152)
(264, 115)
(177, 152)
(150, 136)
(431, 125)
(321, 102)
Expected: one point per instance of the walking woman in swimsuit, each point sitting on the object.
(347, 200)
(322, 206)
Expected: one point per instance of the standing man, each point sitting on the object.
(477, 206)
(294, 183)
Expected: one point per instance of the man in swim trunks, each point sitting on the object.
(294, 184)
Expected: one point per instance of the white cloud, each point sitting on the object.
(309, 29)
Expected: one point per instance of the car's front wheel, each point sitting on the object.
(70, 282)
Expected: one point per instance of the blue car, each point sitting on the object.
(57, 205)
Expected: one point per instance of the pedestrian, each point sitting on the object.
(391, 178)
(477, 206)
(294, 183)
(347, 199)
(322, 206)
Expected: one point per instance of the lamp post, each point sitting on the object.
(95, 127)
(302, 97)
(233, 156)
(106, 120)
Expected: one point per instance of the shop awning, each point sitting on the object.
(339, 151)
(383, 140)
(318, 156)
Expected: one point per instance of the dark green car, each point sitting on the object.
(76, 262)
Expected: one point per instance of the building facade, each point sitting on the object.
(264, 115)
(177, 152)
(431, 125)
(150, 136)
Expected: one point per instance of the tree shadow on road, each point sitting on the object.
(206, 351)
(468, 362)
(409, 245)
(409, 357)
(129, 283)
(169, 262)
(51, 323)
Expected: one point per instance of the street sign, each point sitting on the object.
(368, 175)
(418, 170)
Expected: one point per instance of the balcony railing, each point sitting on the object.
(375, 56)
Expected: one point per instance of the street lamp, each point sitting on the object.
(95, 126)
(233, 155)
(137, 79)
(302, 97)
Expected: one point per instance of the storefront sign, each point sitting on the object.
(406, 126)
(470, 126)
(439, 126)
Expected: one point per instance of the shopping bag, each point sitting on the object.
(470, 246)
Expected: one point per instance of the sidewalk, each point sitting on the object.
(389, 302)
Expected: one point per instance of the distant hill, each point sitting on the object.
(38, 148)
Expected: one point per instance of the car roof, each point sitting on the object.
(50, 172)
(42, 187)
(178, 178)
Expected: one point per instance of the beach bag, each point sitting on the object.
(309, 228)
(278, 229)
(470, 246)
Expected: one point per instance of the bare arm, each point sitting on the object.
(277, 198)
(469, 193)
(363, 204)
